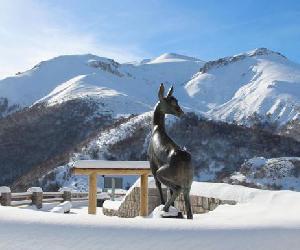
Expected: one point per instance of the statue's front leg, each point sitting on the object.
(171, 193)
(163, 174)
(154, 169)
(187, 201)
(158, 185)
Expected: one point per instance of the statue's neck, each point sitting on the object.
(158, 118)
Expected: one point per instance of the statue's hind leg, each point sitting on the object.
(187, 201)
(174, 195)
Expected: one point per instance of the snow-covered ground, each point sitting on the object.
(261, 220)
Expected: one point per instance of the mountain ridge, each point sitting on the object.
(232, 88)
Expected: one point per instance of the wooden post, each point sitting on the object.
(5, 198)
(67, 195)
(93, 193)
(113, 188)
(37, 198)
(144, 195)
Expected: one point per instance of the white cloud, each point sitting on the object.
(34, 31)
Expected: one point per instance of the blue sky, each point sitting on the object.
(31, 31)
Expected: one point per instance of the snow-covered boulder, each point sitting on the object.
(158, 212)
(34, 189)
(103, 196)
(62, 208)
(111, 208)
(65, 189)
(114, 205)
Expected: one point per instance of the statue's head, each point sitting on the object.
(168, 103)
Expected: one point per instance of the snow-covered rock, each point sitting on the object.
(158, 212)
(34, 189)
(103, 196)
(114, 205)
(65, 189)
(62, 208)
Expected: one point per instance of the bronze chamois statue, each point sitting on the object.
(170, 164)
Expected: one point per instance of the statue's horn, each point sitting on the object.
(170, 92)
(161, 91)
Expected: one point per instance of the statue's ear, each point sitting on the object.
(170, 92)
(161, 91)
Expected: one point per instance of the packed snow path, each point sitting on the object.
(261, 220)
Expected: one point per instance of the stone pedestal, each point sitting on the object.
(201, 204)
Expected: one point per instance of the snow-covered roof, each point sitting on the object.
(102, 164)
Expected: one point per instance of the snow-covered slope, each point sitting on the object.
(29, 86)
(278, 173)
(99, 148)
(260, 82)
(111, 100)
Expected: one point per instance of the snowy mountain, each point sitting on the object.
(88, 101)
(258, 83)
